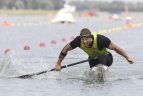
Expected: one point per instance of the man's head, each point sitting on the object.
(85, 36)
(85, 33)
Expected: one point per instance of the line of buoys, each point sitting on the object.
(128, 25)
(63, 39)
(7, 24)
(119, 28)
(41, 44)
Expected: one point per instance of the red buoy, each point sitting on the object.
(42, 44)
(7, 50)
(63, 39)
(26, 47)
(53, 42)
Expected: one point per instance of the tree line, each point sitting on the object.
(115, 6)
(32, 4)
(80, 6)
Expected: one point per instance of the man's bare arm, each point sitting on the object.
(120, 51)
(62, 55)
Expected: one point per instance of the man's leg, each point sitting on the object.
(100, 70)
(102, 59)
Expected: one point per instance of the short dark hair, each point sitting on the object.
(85, 32)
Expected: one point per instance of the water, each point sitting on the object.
(124, 79)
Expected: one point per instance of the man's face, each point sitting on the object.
(86, 41)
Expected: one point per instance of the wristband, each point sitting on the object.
(63, 54)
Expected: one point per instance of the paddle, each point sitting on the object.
(64, 66)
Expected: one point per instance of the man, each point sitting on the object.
(95, 45)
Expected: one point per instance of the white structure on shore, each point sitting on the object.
(65, 15)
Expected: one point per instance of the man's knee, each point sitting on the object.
(102, 56)
(103, 59)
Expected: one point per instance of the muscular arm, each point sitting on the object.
(120, 51)
(62, 55)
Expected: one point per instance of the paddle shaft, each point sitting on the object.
(64, 66)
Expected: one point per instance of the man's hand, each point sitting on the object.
(130, 60)
(58, 67)
(61, 57)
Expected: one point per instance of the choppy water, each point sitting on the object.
(124, 79)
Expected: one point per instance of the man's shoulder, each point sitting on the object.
(76, 42)
(103, 41)
(77, 38)
(100, 36)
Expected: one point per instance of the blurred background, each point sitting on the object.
(33, 33)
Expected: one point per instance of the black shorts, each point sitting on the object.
(107, 60)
